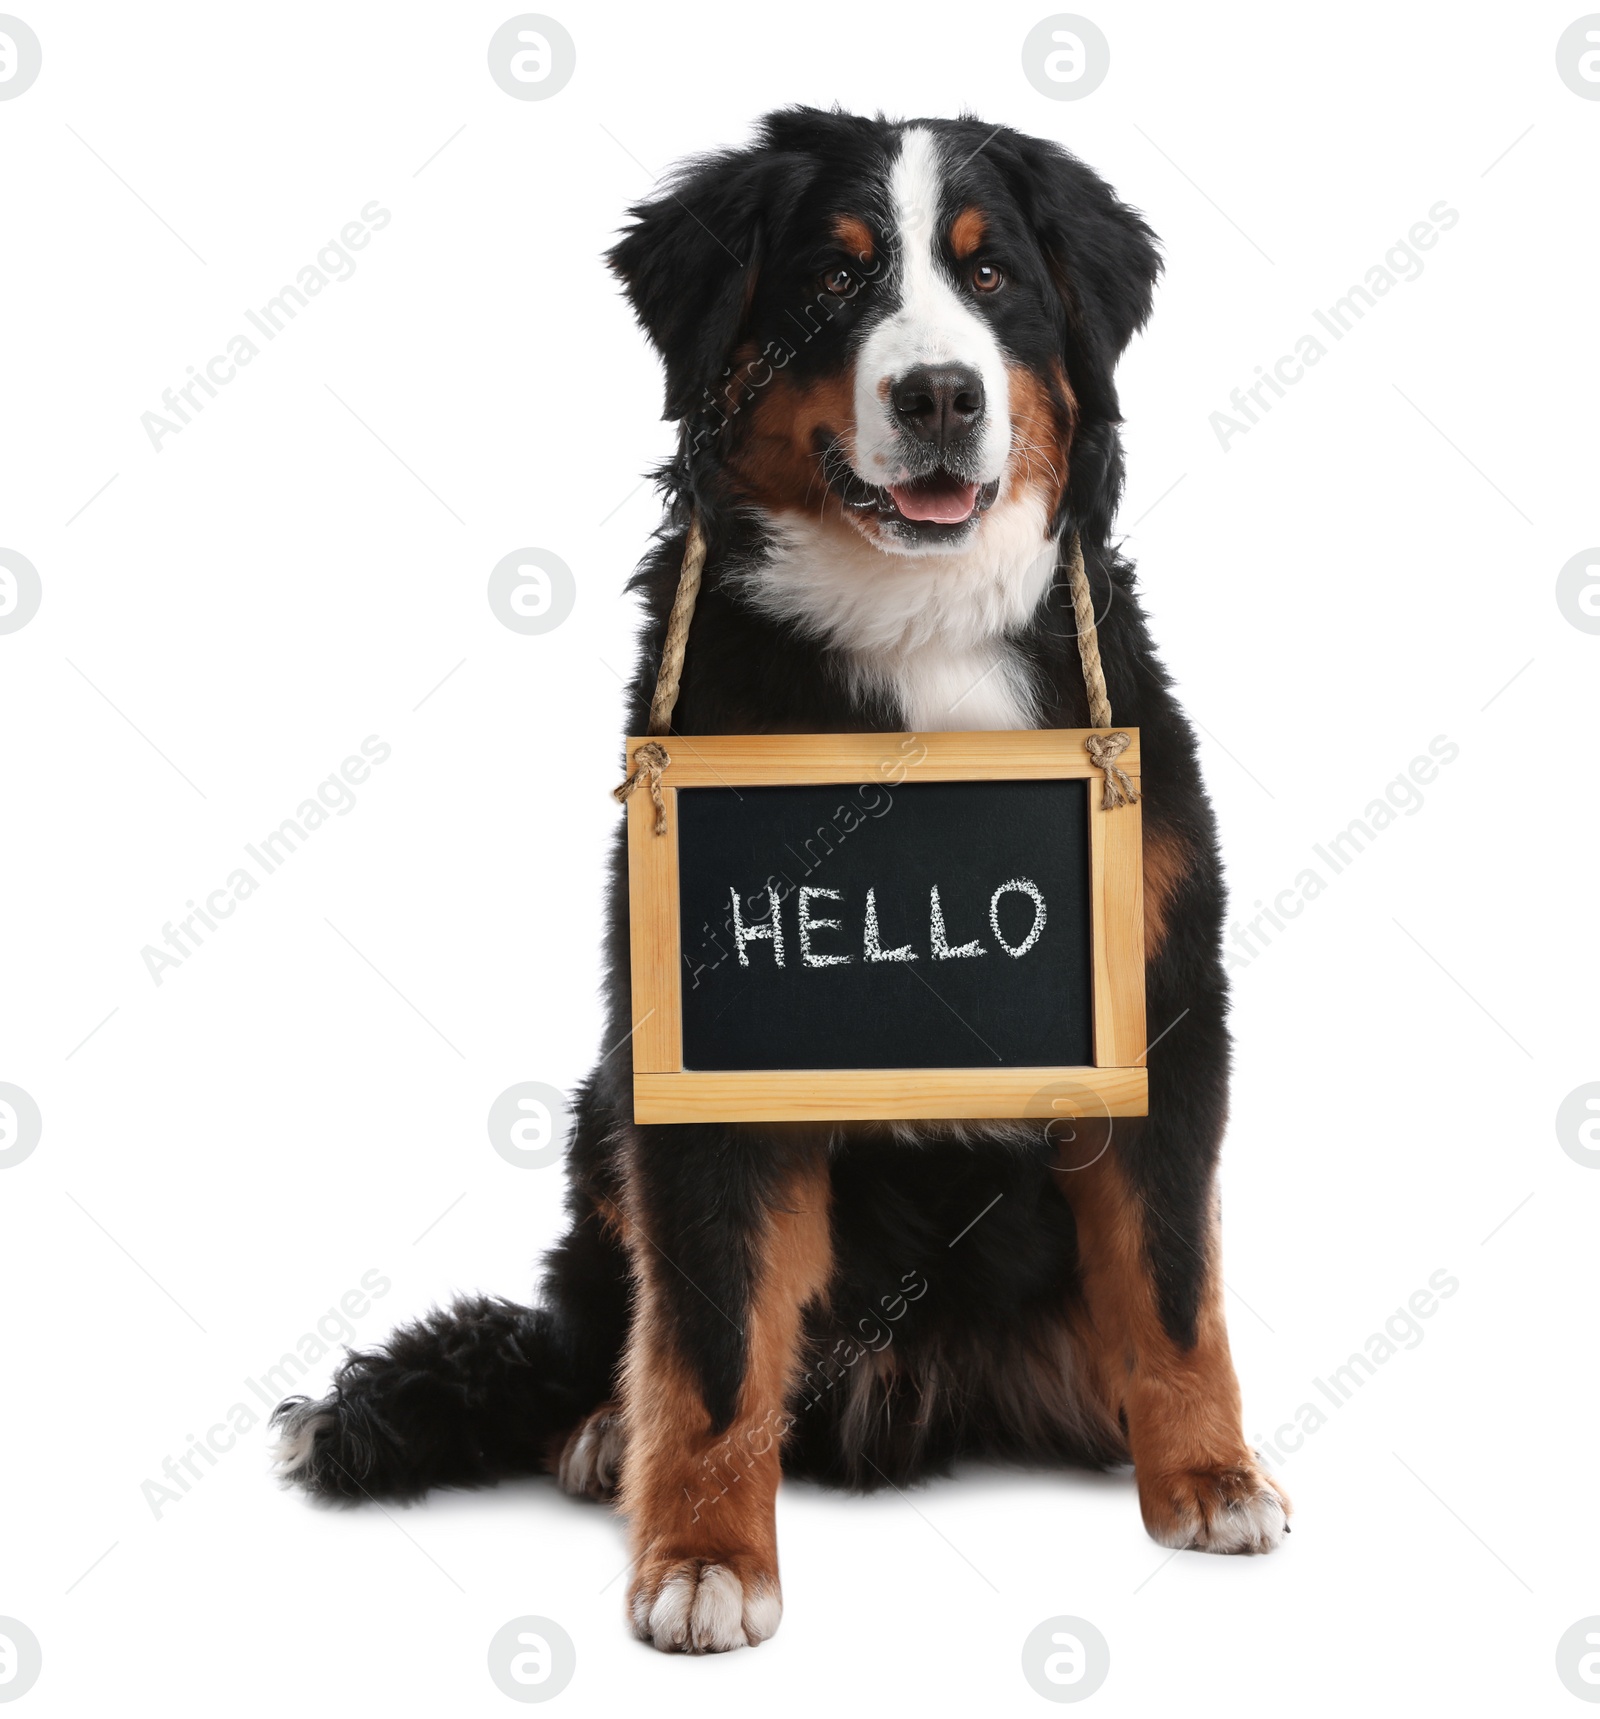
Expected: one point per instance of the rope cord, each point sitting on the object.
(1104, 749)
(651, 758)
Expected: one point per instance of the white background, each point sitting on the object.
(297, 1104)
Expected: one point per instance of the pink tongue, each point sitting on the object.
(949, 504)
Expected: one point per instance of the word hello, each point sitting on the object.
(182, 1472)
(335, 795)
(1400, 263)
(333, 263)
(769, 928)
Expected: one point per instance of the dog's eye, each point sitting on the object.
(987, 278)
(839, 281)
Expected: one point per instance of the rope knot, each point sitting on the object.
(649, 760)
(1104, 750)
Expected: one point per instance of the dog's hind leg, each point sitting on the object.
(729, 1233)
(590, 1463)
(470, 1395)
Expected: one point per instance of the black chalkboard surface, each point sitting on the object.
(937, 925)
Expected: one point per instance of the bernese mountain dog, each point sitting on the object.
(889, 352)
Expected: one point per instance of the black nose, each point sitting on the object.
(939, 403)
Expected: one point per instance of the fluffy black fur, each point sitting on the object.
(713, 270)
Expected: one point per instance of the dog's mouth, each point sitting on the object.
(940, 498)
(938, 503)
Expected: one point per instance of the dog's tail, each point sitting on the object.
(464, 1397)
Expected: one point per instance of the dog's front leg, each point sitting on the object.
(1149, 1249)
(728, 1232)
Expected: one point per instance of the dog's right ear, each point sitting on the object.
(689, 264)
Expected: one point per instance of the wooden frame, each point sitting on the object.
(665, 1091)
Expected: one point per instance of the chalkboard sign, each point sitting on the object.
(925, 926)
(885, 926)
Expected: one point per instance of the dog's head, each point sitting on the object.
(904, 331)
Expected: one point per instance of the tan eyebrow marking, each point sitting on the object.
(967, 231)
(855, 235)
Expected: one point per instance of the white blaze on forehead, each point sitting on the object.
(931, 322)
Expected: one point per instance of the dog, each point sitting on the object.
(890, 352)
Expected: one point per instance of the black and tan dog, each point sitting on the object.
(890, 352)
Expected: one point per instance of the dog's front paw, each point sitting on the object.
(704, 1605)
(1231, 1507)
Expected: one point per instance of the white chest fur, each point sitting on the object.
(930, 633)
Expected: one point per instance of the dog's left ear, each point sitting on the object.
(689, 265)
(1102, 257)
(1104, 263)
